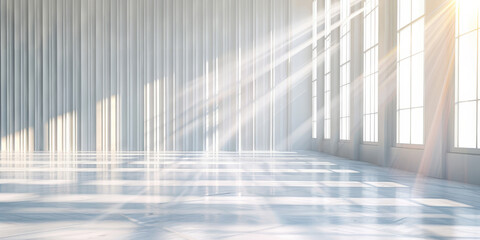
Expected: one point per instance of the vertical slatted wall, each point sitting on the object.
(151, 75)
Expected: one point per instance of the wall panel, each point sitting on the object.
(154, 75)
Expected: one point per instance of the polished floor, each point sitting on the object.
(288, 195)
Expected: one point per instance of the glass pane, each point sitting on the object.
(456, 125)
(326, 130)
(328, 82)
(404, 126)
(417, 126)
(375, 92)
(365, 73)
(418, 8)
(376, 27)
(342, 78)
(467, 15)
(347, 76)
(417, 36)
(404, 84)
(364, 96)
(327, 54)
(364, 129)
(368, 31)
(327, 105)
(404, 44)
(348, 46)
(369, 127)
(347, 129)
(367, 95)
(341, 128)
(404, 13)
(467, 124)
(342, 100)
(417, 80)
(456, 71)
(467, 67)
(347, 100)
(369, 61)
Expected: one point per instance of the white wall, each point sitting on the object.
(155, 75)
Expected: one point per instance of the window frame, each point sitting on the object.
(398, 60)
(327, 75)
(374, 46)
(452, 134)
(345, 62)
(314, 72)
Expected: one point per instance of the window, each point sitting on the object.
(327, 78)
(345, 70)
(314, 69)
(410, 78)
(370, 71)
(466, 75)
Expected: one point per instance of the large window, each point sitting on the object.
(410, 78)
(370, 71)
(466, 79)
(314, 69)
(345, 70)
(327, 77)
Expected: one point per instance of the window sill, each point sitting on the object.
(410, 146)
(470, 151)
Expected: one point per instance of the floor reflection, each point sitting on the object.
(197, 195)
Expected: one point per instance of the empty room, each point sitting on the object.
(239, 119)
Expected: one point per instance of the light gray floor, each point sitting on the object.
(287, 195)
